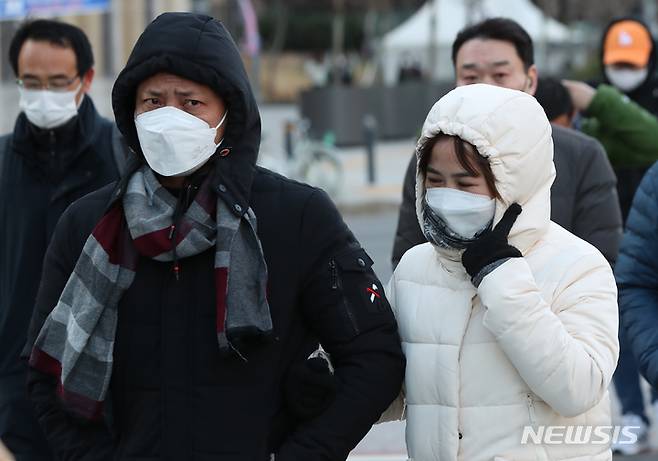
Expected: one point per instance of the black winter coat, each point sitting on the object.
(172, 395)
(41, 173)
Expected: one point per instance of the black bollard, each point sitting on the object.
(370, 138)
(289, 128)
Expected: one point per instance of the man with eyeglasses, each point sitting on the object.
(60, 149)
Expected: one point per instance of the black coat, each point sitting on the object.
(172, 395)
(42, 172)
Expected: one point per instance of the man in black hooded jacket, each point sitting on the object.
(169, 331)
(59, 150)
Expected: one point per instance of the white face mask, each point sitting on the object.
(174, 142)
(48, 109)
(626, 79)
(465, 213)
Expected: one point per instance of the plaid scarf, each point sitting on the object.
(76, 342)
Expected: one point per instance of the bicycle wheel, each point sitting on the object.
(323, 169)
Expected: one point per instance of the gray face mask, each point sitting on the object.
(438, 233)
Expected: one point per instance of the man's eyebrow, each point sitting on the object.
(48, 77)
(500, 63)
(469, 65)
(185, 93)
(59, 76)
(153, 93)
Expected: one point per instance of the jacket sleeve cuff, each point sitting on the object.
(509, 293)
(486, 270)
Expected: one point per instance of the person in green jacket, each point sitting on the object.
(629, 134)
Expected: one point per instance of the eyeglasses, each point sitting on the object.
(53, 84)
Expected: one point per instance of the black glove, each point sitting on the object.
(492, 246)
(310, 388)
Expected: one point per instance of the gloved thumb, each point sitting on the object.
(509, 218)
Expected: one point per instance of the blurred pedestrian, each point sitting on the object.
(628, 132)
(637, 277)
(583, 200)
(508, 321)
(60, 149)
(614, 114)
(556, 101)
(628, 60)
(184, 295)
(630, 136)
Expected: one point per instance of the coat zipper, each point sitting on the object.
(185, 197)
(334, 275)
(531, 409)
(335, 285)
(53, 155)
(460, 433)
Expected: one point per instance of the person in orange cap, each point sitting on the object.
(629, 63)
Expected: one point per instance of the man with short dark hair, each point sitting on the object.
(176, 304)
(556, 101)
(60, 149)
(584, 201)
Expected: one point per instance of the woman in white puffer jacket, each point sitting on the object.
(508, 322)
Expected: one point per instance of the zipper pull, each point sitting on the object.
(177, 271)
(531, 409)
(171, 231)
(334, 275)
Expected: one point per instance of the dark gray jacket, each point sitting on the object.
(583, 197)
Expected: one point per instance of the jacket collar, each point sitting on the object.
(68, 141)
(27, 137)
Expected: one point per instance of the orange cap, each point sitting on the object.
(627, 41)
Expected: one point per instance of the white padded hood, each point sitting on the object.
(510, 129)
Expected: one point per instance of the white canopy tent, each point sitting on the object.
(411, 41)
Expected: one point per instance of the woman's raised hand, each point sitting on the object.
(493, 245)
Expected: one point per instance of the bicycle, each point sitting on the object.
(309, 161)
